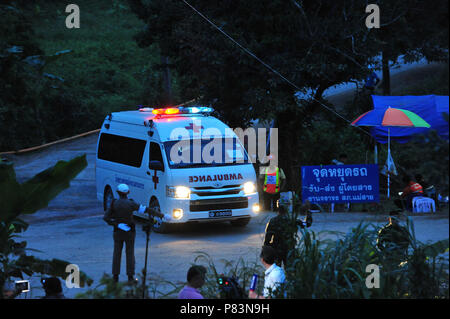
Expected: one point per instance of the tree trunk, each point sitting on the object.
(386, 74)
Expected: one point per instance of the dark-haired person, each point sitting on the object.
(195, 280)
(428, 189)
(273, 276)
(53, 288)
(9, 290)
(394, 238)
(281, 230)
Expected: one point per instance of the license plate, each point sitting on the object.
(220, 213)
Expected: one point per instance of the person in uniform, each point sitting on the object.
(273, 180)
(120, 215)
(428, 189)
(411, 190)
(394, 239)
(281, 230)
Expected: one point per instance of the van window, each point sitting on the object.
(200, 153)
(121, 149)
(155, 153)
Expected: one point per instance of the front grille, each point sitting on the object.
(213, 191)
(226, 192)
(210, 187)
(220, 203)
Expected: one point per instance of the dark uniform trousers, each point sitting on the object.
(121, 211)
(120, 238)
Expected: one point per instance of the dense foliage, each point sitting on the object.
(41, 99)
(18, 199)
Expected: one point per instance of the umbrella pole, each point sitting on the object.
(389, 156)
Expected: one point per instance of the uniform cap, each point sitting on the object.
(123, 188)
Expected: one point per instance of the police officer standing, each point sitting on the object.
(281, 231)
(120, 215)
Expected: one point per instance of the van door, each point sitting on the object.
(120, 161)
(156, 187)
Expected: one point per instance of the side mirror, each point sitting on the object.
(156, 165)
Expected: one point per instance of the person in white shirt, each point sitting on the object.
(274, 275)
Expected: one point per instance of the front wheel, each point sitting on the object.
(108, 197)
(159, 226)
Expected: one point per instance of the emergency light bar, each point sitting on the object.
(178, 110)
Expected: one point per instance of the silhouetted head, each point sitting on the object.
(268, 255)
(343, 158)
(51, 285)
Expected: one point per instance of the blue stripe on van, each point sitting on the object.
(129, 183)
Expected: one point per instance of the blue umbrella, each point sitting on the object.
(390, 117)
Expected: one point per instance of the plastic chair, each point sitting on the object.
(423, 205)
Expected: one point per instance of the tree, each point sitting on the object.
(413, 28)
(35, 106)
(314, 44)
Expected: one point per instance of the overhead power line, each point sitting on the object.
(267, 65)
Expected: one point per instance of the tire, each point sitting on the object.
(159, 226)
(241, 222)
(108, 197)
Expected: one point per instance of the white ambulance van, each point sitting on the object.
(181, 161)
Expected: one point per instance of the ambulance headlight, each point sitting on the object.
(178, 192)
(249, 188)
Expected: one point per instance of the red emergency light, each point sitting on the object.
(167, 111)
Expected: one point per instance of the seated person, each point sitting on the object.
(428, 190)
(411, 190)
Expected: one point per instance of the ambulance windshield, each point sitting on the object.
(205, 153)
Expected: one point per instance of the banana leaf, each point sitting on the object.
(10, 196)
(437, 248)
(42, 188)
(55, 268)
(36, 193)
